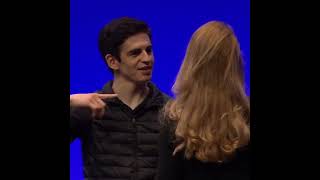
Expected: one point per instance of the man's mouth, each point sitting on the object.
(145, 68)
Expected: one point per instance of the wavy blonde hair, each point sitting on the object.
(211, 109)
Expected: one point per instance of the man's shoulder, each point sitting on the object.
(158, 92)
(161, 98)
(106, 89)
(165, 96)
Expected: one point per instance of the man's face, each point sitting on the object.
(136, 59)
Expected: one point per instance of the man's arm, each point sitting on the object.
(80, 118)
(83, 108)
(92, 100)
(170, 166)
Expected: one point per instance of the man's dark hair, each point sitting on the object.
(114, 34)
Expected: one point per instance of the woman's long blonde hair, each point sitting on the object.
(211, 109)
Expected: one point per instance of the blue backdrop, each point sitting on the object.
(172, 24)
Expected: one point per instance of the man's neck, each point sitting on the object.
(130, 93)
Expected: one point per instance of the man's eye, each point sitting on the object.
(149, 50)
(135, 52)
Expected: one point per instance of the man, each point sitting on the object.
(119, 131)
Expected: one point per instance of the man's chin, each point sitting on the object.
(144, 79)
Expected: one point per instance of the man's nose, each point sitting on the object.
(147, 57)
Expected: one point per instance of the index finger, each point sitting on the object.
(107, 96)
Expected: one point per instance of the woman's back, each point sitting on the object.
(177, 167)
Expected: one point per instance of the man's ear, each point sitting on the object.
(113, 63)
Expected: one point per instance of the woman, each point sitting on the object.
(206, 132)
